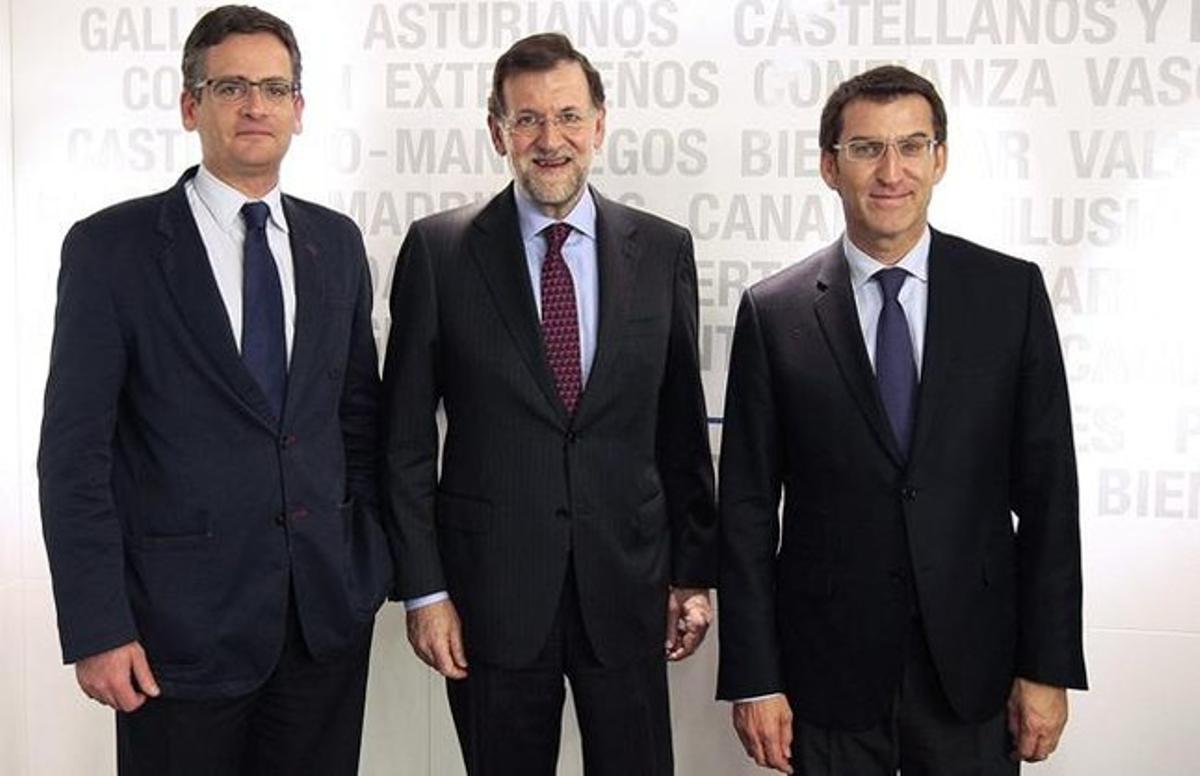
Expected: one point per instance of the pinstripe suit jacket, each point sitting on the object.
(623, 489)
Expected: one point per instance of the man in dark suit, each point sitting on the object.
(209, 464)
(905, 390)
(572, 526)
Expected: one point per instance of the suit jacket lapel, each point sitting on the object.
(190, 282)
(496, 247)
(310, 297)
(616, 255)
(942, 319)
(838, 317)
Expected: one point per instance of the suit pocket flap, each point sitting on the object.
(462, 513)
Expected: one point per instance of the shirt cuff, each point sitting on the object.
(755, 697)
(425, 600)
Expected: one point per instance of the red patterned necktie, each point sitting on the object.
(560, 321)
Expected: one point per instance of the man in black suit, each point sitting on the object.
(572, 526)
(209, 464)
(905, 390)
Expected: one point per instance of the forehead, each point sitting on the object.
(255, 55)
(562, 86)
(908, 114)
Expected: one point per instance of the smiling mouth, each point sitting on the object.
(551, 164)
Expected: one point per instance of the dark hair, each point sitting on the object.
(879, 84)
(218, 24)
(538, 53)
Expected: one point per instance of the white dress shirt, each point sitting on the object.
(217, 209)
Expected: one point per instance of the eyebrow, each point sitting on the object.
(560, 110)
(910, 136)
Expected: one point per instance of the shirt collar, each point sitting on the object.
(582, 217)
(225, 202)
(863, 267)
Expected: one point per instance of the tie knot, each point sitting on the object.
(255, 214)
(556, 235)
(890, 281)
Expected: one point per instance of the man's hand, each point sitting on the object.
(765, 728)
(435, 633)
(1037, 714)
(689, 613)
(120, 678)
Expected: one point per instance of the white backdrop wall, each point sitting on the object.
(1074, 142)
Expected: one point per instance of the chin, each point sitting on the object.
(551, 193)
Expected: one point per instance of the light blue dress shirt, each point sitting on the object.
(913, 296)
(579, 252)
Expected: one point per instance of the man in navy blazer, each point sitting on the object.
(208, 461)
(904, 390)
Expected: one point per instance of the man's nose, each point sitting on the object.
(549, 134)
(254, 104)
(888, 168)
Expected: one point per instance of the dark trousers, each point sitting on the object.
(922, 737)
(509, 721)
(305, 719)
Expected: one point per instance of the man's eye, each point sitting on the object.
(526, 121)
(869, 148)
(228, 88)
(278, 89)
(570, 119)
(911, 147)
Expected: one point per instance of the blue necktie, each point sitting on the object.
(264, 349)
(895, 367)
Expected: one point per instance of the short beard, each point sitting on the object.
(553, 195)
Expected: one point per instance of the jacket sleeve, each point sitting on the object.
(411, 396)
(682, 453)
(750, 484)
(1045, 498)
(79, 521)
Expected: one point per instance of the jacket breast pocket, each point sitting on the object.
(981, 365)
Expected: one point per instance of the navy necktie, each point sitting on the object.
(264, 349)
(895, 367)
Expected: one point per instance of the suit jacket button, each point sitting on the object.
(280, 519)
(572, 437)
(562, 514)
(908, 493)
(286, 441)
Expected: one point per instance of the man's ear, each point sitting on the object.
(497, 133)
(829, 169)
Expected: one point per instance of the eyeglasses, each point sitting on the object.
(531, 124)
(274, 91)
(871, 150)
